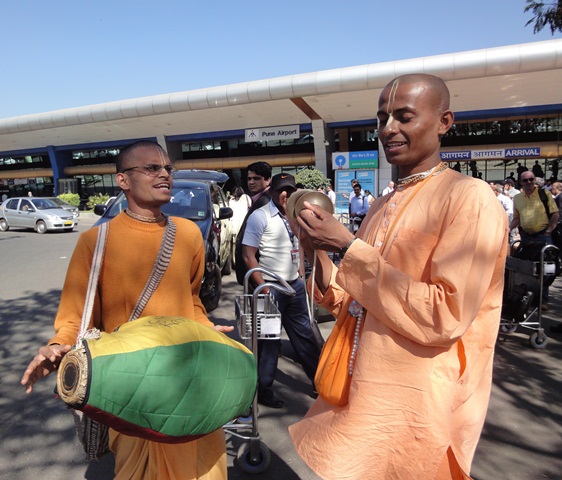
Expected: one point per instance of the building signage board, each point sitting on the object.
(355, 160)
(366, 179)
(455, 155)
(492, 154)
(343, 186)
(272, 133)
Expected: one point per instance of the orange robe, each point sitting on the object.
(432, 288)
(130, 252)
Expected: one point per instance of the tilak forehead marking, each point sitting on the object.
(391, 98)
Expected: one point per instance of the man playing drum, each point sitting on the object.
(135, 236)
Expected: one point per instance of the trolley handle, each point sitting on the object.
(282, 286)
(547, 248)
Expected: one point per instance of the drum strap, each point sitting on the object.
(97, 259)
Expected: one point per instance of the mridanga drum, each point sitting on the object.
(165, 379)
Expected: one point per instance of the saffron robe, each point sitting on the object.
(130, 252)
(432, 286)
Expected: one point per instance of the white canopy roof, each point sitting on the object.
(523, 75)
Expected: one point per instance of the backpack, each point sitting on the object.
(240, 267)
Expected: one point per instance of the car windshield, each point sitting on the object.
(186, 202)
(43, 203)
(60, 202)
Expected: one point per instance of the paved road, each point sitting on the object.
(522, 438)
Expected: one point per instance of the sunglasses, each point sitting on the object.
(527, 180)
(152, 169)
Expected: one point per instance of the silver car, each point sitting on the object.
(66, 206)
(38, 213)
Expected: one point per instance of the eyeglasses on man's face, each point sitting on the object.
(152, 169)
(527, 180)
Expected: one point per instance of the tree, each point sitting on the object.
(545, 13)
(311, 178)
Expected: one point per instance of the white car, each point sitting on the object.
(35, 213)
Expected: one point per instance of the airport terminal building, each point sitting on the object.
(507, 103)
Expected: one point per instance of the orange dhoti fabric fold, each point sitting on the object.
(138, 459)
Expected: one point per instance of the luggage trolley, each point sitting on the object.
(257, 319)
(351, 223)
(522, 296)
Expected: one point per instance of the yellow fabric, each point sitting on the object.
(157, 331)
(531, 212)
(130, 252)
(423, 371)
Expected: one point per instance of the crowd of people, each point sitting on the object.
(532, 207)
(404, 379)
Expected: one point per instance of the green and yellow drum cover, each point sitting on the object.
(166, 379)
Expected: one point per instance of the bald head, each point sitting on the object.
(126, 155)
(413, 116)
(437, 91)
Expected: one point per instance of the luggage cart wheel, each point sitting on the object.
(538, 340)
(256, 465)
(509, 328)
(246, 417)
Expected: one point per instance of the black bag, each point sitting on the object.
(93, 436)
(529, 250)
(517, 302)
(240, 266)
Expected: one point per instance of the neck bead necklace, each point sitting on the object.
(142, 218)
(416, 177)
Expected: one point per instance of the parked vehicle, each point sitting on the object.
(67, 206)
(197, 195)
(37, 213)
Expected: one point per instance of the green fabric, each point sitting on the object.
(187, 389)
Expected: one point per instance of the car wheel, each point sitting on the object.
(227, 269)
(40, 227)
(211, 290)
(4, 227)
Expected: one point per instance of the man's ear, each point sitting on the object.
(446, 122)
(122, 181)
(283, 198)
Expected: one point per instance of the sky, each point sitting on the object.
(70, 53)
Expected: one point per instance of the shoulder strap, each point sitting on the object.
(544, 200)
(158, 270)
(97, 261)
